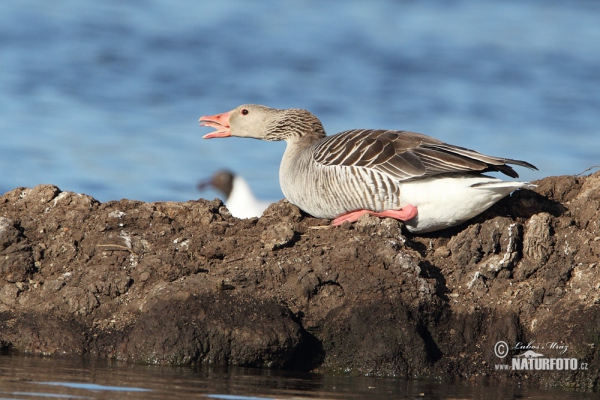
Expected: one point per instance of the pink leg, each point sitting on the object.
(406, 213)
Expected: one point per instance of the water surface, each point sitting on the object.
(26, 377)
(104, 97)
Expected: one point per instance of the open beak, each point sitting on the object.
(220, 122)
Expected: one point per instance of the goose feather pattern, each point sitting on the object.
(415, 178)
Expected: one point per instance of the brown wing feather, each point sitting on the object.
(405, 155)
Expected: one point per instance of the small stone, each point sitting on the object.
(366, 222)
(144, 276)
(442, 252)
(277, 236)
(116, 214)
(8, 294)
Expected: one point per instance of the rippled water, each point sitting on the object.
(104, 97)
(24, 377)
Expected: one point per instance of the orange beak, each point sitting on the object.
(220, 122)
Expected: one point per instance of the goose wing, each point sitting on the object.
(406, 155)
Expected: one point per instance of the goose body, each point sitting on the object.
(239, 198)
(415, 178)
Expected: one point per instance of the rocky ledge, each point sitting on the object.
(178, 283)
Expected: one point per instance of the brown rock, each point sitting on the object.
(184, 283)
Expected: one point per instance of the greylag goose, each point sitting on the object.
(239, 199)
(422, 181)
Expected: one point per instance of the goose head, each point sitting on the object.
(265, 123)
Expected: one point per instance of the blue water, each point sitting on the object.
(103, 98)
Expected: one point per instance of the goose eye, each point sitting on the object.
(244, 111)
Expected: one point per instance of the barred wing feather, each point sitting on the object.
(405, 155)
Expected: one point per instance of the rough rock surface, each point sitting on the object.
(187, 283)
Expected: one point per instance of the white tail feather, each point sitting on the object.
(443, 202)
(503, 184)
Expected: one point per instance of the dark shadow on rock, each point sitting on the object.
(522, 203)
(309, 354)
(526, 203)
(432, 350)
(5, 348)
(430, 271)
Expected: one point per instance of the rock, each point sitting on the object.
(219, 328)
(9, 234)
(8, 294)
(185, 283)
(277, 236)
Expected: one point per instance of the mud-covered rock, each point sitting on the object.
(181, 283)
(220, 328)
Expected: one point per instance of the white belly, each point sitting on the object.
(443, 202)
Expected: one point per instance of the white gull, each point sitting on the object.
(239, 199)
